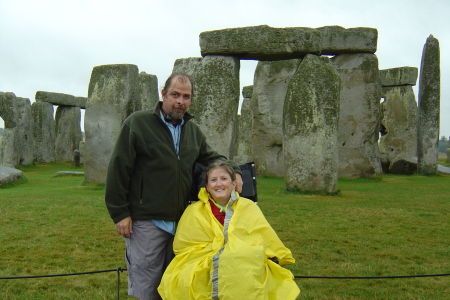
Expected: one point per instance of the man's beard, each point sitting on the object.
(177, 116)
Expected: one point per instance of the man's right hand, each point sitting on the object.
(125, 227)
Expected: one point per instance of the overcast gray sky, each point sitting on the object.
(52, 45)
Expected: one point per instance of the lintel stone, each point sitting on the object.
(60, 99)
(399, 76)
(337, 40)
(261, 42)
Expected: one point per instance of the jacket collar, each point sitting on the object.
(187, 116)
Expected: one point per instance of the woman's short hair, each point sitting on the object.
(220, 164)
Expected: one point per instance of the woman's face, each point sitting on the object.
(220, 185)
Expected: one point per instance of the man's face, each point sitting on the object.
(177, 98)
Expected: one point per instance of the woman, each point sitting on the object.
(226, 249)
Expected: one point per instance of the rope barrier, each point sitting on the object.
(371, 277)
(120, 270)
(60, 275)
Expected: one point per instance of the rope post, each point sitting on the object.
(119, 269)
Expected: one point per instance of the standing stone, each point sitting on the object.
(245, 129)
(24, 131)
(447, 151)
(67, 132)
(271, 83)
(399, 129)
(76, 158)
(113, 95)
(17, 141)
(429, 108)
(43, 131)
(311, 117)
(216, 98)
(8, 155)
(398, 139)
(8, 152)
(81, 149)
(359, 116)
(148, 90)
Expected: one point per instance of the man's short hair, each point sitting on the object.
(182, 77)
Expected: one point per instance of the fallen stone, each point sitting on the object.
(443, 169)
(337, 40)
(8, 175)
(261, 42)
(68, 173)
(399, 76)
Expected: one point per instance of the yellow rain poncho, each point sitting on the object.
(227, 262)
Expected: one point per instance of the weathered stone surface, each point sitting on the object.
(81, 148)
(399, 76)
(271, 82)
(247, 91)
(405, 166)
(337, 40)
(245, 126)
(148, 90)
(68, 173)
(8, 174)
(429, 108)
(114, 93)
(67, 132)
(7, 111)
(216, 100)
(24, 131)
(8, 154)
(80, 102)
(43, 131)
(399, 126)
(60, 99)
(17, 142)
(261, 42)
(311, 117)
(359, 117)
(443, 169)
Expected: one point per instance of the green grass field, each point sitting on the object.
(393, 226)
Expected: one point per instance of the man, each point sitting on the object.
(148, 181)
